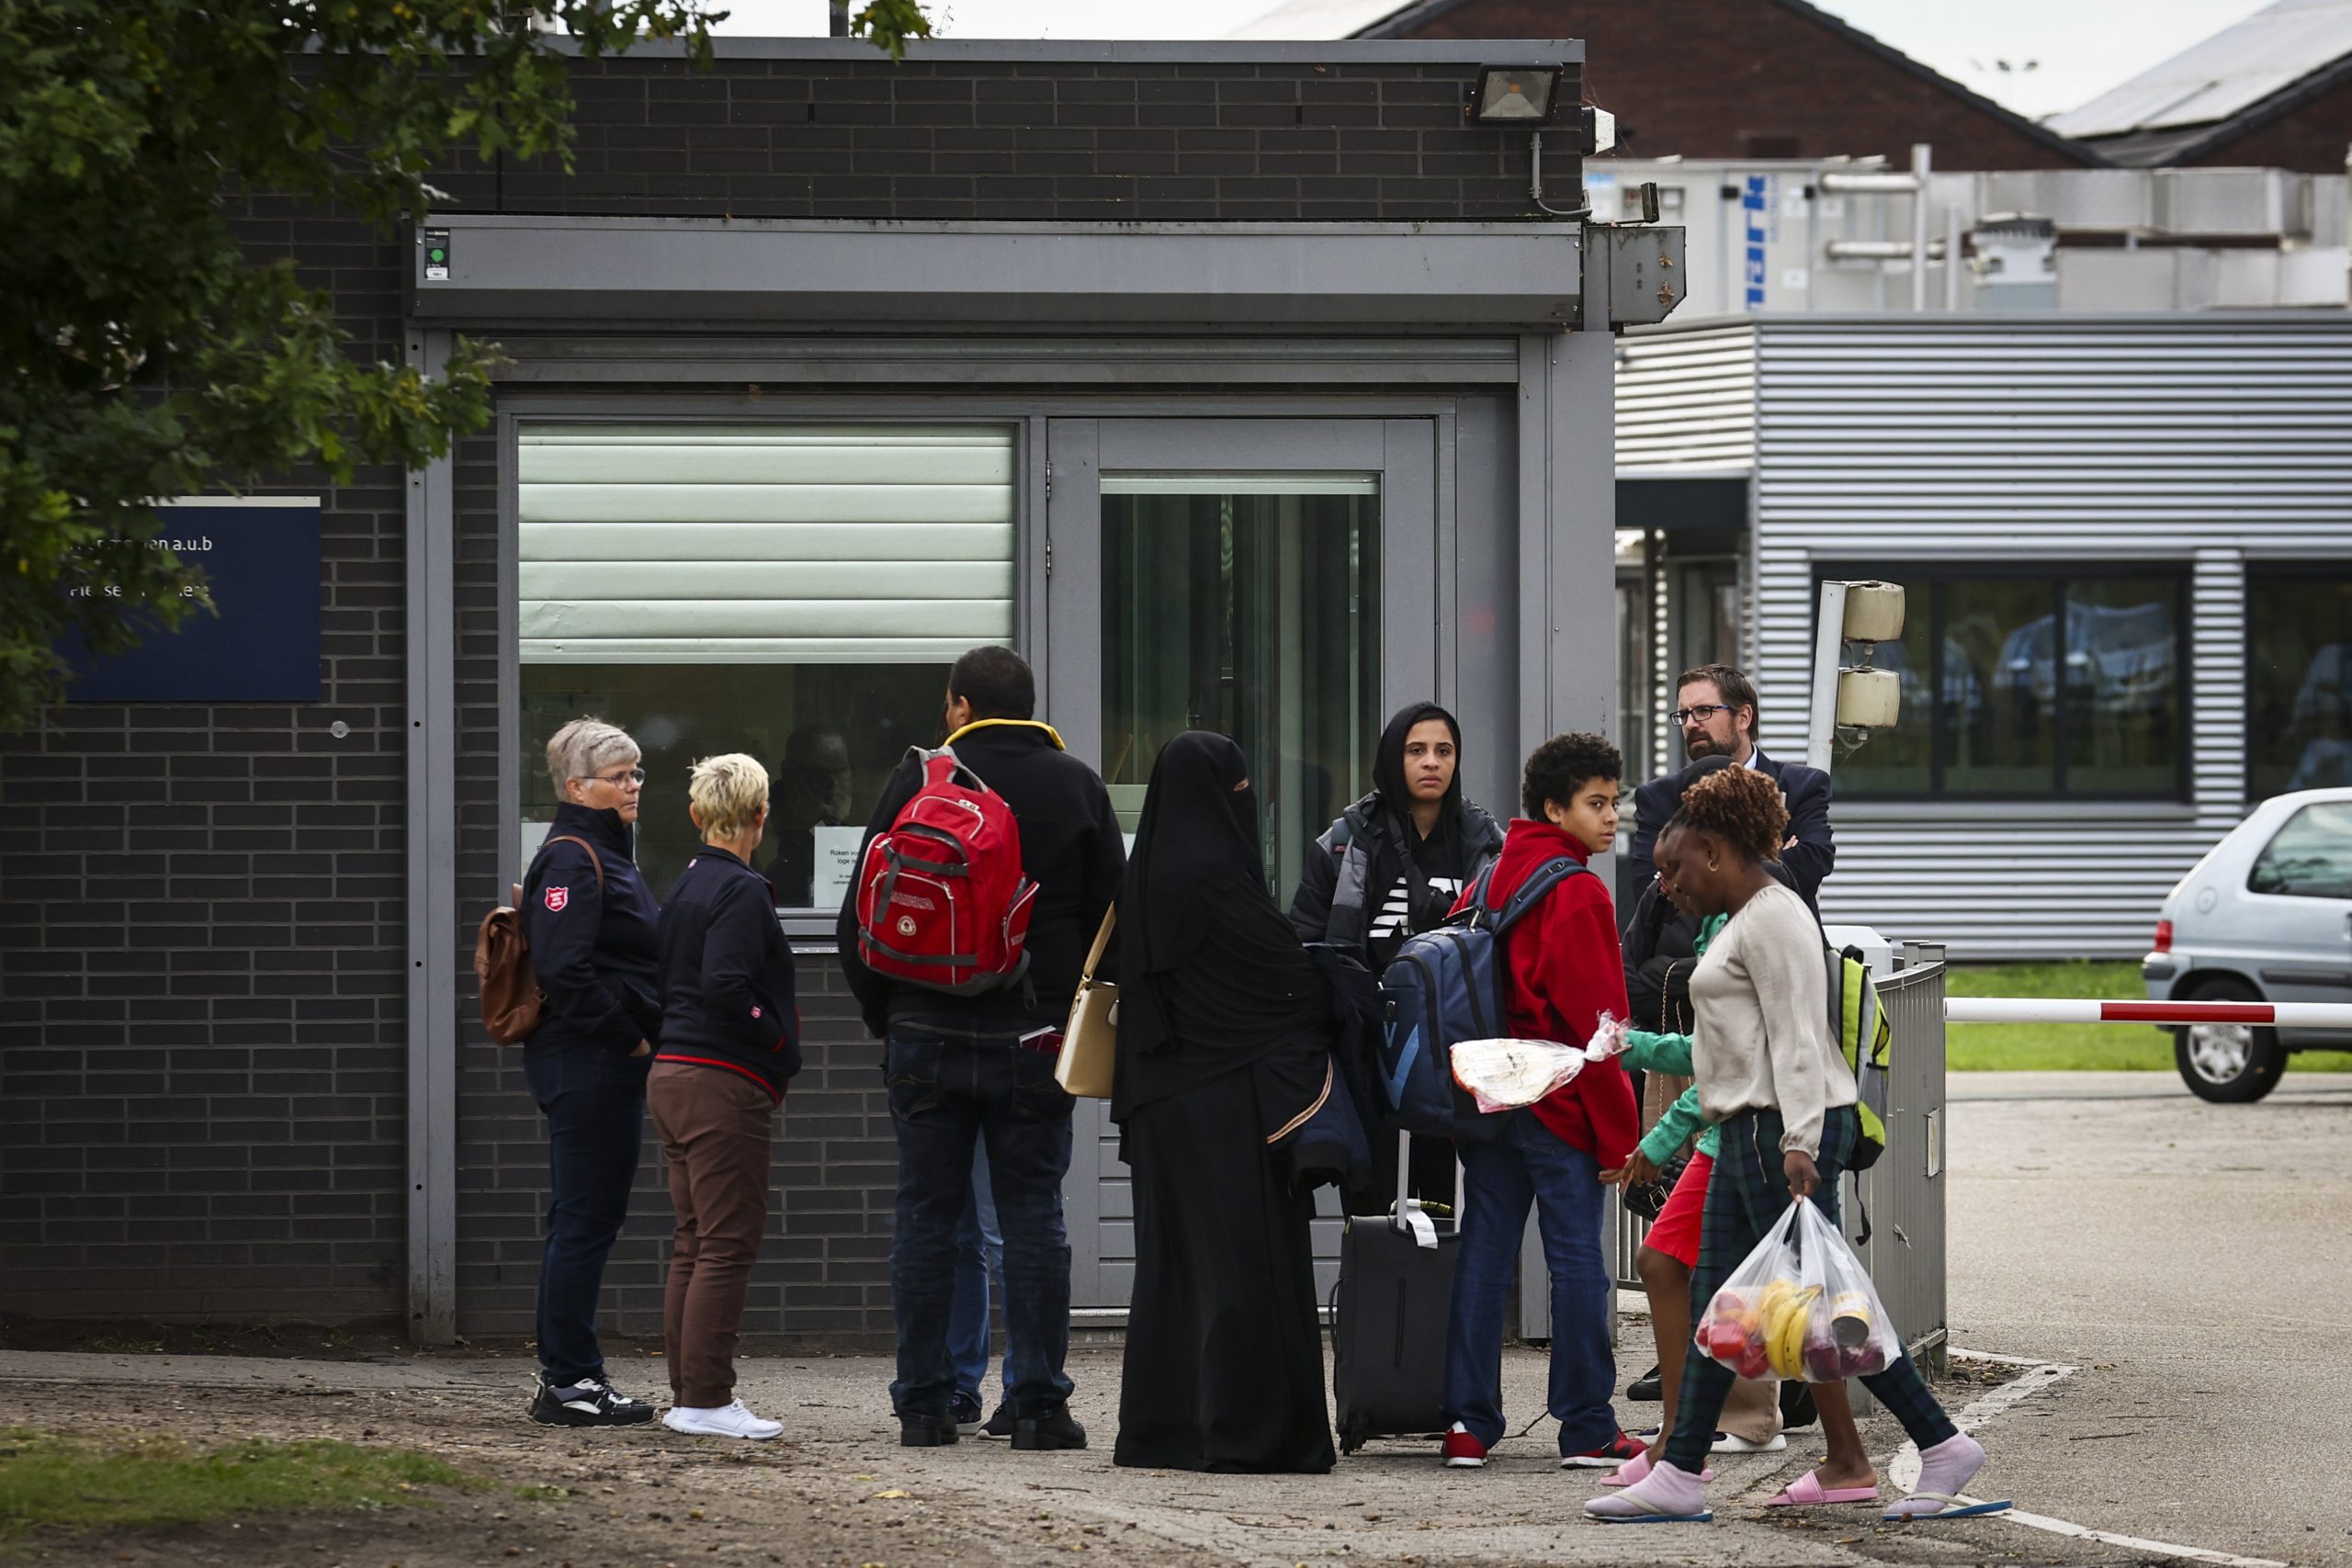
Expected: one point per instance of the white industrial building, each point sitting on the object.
(2109, 455)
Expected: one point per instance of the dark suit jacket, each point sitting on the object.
(1809, 860)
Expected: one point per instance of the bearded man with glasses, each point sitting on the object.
(590, 922)
(1716, 711)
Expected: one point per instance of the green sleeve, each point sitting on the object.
(1649, 1052)
(1674, 1129)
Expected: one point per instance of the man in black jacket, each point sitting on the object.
(962, 1068)
(1715, 707)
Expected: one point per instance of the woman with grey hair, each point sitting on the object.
(591, 923)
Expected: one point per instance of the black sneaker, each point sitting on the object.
(999, 1422)
(1054, 1429)
(1647, 1388)
(587, 1403)
(927, 1431)
(965, 1408)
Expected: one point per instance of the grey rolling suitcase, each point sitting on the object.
(1388, 1319)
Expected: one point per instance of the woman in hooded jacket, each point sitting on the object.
(1391, 866)
(1224, 1051)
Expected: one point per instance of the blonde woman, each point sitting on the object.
(730, 1040)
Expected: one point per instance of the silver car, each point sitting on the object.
(2266, 916)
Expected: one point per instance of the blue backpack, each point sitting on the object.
(1445, 986)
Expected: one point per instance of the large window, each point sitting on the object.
(794, 591)
(2298, 679)
(1248, 605)
(2065, 683)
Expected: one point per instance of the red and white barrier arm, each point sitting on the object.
(2062, 1010)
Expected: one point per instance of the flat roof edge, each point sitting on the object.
(1136, 51)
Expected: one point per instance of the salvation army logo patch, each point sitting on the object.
(557, 899)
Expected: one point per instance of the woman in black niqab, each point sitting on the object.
(1222, 1049)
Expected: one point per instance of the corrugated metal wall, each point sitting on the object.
(1687, 399)
(2189, 440)
(1686, 404)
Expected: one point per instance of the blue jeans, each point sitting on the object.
(979, 1255)
(594, 1104)
(956, 1085)
(1527, 1165)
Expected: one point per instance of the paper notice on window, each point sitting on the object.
(835, 865)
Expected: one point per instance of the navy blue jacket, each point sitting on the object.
(591, 946)
(1809, 860)
(727, 988)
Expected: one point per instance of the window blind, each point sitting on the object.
(740, 544)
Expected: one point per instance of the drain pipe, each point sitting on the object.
(1951, 256)
(1919, 226)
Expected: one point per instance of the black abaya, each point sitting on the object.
(1222, 1043)
(1224, 1361)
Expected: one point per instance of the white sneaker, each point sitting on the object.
(1726, 1443)
(727, 1420)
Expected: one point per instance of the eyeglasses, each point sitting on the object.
(1703, 712)
(635, 776)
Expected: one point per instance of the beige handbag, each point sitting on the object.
(1091, 1042)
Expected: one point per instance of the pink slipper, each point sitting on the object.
(1807, 1491)
(1633, 1468)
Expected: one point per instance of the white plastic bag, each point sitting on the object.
(1800, 1307)
(1503, 1075)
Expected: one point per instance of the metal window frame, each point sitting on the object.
(2274, 571)
(2061, 574)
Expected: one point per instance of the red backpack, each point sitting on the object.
(942, 901)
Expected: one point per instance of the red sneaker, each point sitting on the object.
(1464, 1452)
(1619, 1450)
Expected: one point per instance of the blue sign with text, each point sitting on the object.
(260, 559)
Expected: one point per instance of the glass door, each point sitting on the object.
(1274, 580)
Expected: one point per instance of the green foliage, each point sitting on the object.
(146, 356)
(48, 1481)
(2072, 1047)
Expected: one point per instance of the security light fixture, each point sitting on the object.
(1516, 95)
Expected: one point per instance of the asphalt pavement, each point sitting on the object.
(2190, 1261)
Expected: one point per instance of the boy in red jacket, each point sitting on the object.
(1565, 971)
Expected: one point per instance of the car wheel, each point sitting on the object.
(2229, 1063)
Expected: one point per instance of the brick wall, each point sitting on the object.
(2308, 137)
(1036, 141)
(1757, 79)
(203, 1063)
(202, 1074)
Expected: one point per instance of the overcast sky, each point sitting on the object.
(2059, 52)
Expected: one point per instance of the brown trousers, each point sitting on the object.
(715, 1125)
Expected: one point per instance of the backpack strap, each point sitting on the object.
(956, 769)
(1545, 877)
(594, 860)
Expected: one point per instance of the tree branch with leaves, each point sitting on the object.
(148, 356)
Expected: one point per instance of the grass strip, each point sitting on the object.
(51, 1481)
(2073, 1047)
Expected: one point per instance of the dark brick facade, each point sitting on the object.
(2309, 137)
(1757, 79)
(203, 1062)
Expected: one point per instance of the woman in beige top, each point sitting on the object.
(1770, 1076)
